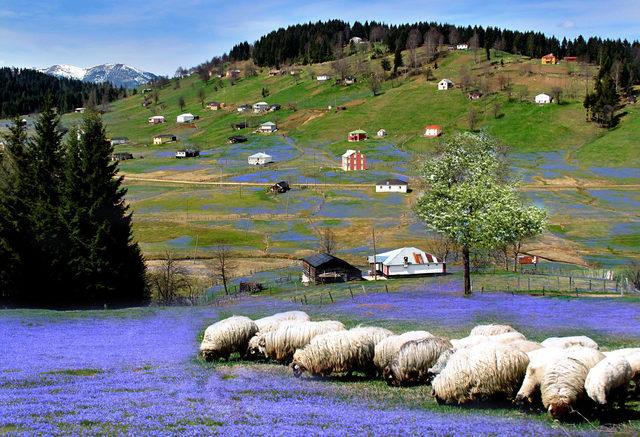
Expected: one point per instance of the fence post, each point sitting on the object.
(330, 297)
(589, 284)
(482, 289)
(570, 283)
(350, 291)
(604, 286)
(386, 287)
(529, 283)
(543, 290)
(305, 300)
(518, 282)
(364, 290)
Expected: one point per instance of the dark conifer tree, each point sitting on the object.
(106, 265)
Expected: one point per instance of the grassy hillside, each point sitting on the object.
(550, 145)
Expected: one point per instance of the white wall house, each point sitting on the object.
(462, 47)
(392, 186)
(260, 107)
(185, 118)
(156, 119)
(260, 159)
(445, 84)
(243, 108)
(432, 131)
(382, 133)
(358, 40)
(543, 99)
(267, 127)
(323, 78)
(407, 261)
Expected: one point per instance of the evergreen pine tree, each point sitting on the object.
(106, 265)
(397, 60)
(14, 229)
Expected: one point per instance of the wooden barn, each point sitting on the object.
(549, 59)
(357, 135)
(323, 268)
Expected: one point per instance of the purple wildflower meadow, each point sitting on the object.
(134, 372)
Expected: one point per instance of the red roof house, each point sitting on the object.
(357, 135)
(432, 131)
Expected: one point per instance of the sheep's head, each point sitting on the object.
(522, 400)
(254, 350)
(560, 410)
(297, 368)
(389, 376)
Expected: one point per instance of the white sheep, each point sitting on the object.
(566, 342)
(525, 346)
(226, 337)
(280, 344)
(255, 351)
(440, 364)
(491, 330)
(540, 360)
(411, 364)
(487, 370)
(271, 323)
(473, 340)
(339, 352)
(608, 380)
(562, 385)
(387, 348)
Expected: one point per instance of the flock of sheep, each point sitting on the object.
(565, 374)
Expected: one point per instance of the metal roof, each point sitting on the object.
(318, 259)
(392, 182)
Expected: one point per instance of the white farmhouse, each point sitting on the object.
(260, 107)
(323, 77)
(445, 84)
(260, 159)
(406, 261)
(185, 118)
(156, 119)
(543, 99)
(462, 47)
(267, 127)
(392, 186)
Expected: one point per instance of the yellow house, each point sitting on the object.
(549, 59)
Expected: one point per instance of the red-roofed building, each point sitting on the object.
(570, 59)
(549, 59)
(432, 131)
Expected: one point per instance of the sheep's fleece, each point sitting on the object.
(227, 336)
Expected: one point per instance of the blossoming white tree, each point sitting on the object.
(470, 200)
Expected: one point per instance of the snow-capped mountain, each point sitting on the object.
(118, 74)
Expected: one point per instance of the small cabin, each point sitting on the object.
(570, 59)
(323, 268)
(349, 80)
(121, 156)
(233, 73)
(474, 95)
(260, 107)
(243, 108)
(156, 119)
(185, 118)
(187, 153)
(381, 133)
(275, 107)
(445, 84)
(392, 186)
(462, 47)
(117, 141)
(406, 261)
(356, 135)
(260, 158)
(549, 59)
(215, 106)
(543, 99)
(323, 77)
(432, 131)
(79, 110)
(239, 126)
(235, 139)
(267, 127)
(164, 138)
(279, 187)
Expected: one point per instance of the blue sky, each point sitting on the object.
(160, 35)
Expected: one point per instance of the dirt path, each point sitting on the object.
(528, 187)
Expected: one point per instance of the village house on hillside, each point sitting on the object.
(353, 161)
(280, 187)
(549, 59)
(235, 139)
(462, 47)
(275, 72)
(349, 80)
(406, 261)
(474, 95)
(356, 135)
(185, 118)
(543, 99)
(381, 133)
(358, 40)
(117, 141)
(79, 110)
(260, 158)
(121, 156)
(156, 119)
(323, 268)
(445, 84)
(187, 153)
(570, 59)
(214, 106)
(244, 108)
(392, 186)
(267, 128)
(260, 107)
(275, 107)
(323, 77)
(164, 138)
(432, 131)
(233, 74)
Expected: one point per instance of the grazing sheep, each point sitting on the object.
(411, 364)
(339, 352)
(280, 344)
(271, 323)
(487, 370)
(526, 346)
(387, 348)
(566, 342)
(634, 362)
(562, 385)
(440, 364)
(608, 380)
(474, 340)
(226, 337)
(491, 330)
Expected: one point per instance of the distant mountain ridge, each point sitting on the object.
(120, 75)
